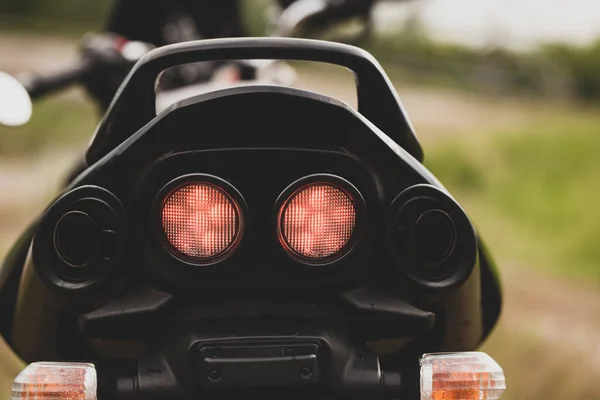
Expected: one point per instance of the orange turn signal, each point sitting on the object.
(55, 381)
(461, 376)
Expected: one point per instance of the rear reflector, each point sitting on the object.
(317, 221)
(54, 381)
(461, 376)
(201, 221)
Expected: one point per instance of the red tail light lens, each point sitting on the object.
(201, 221)
(317, 221)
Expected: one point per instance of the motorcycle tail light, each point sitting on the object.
(317, 221)
(201, 221)
(54, 381)
(461, 376)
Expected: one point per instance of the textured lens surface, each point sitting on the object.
(318, 221)
(201, 220)
(56, 381)
(461, 376)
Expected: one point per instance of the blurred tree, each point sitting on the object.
(583, 66)
(256, 15)
(18, 7)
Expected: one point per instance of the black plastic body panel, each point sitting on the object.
(261, 139)
(254, 121)
(259, 259)
(10, 276)
(368, 313)
(259, 365)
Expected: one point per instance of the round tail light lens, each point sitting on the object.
(201, 221)
(317, 221)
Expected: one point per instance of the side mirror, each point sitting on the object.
(15, 103)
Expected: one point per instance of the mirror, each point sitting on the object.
(15, 103)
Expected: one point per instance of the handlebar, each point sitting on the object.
(320, 13)
(39, 85)
(99, 52)
(294, 16)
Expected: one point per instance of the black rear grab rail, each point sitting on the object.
(134, 104)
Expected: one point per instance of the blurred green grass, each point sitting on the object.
(534, 189)
(55, 122)
(536, 371)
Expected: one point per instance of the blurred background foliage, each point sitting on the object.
(554, 70)
(61, 16)
(513, 134)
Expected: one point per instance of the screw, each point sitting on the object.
(214, 375)
(305, 372)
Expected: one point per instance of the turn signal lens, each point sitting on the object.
(55, 381)
(201, 221)
(317, 221)
(461, 376)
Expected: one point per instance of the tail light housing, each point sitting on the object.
(201, 219)
(319, 218)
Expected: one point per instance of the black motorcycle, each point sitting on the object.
(252, 240)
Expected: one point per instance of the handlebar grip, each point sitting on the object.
(40, 85)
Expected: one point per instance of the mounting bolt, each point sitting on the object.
(305, 372)
(214, 375)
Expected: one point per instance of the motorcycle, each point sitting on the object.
(254, 239)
